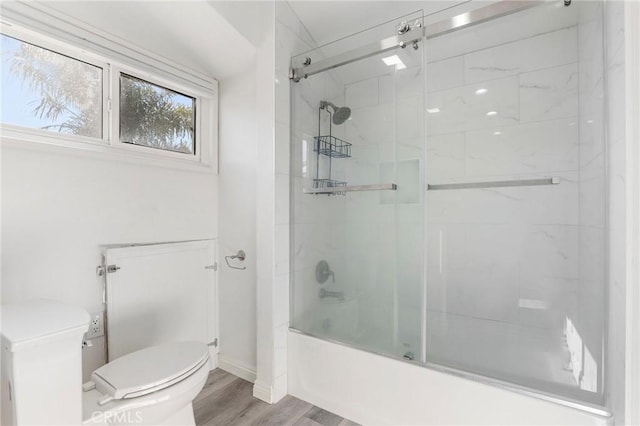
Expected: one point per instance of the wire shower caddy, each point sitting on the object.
(331, 147)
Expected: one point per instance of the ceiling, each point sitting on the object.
(190, 33)
(217, 37)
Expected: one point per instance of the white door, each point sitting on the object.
(161, 293)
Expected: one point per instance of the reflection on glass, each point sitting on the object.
(515, 275)
(369, 241)
(45, 90)
(156, 117)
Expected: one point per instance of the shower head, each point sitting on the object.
(340, 114)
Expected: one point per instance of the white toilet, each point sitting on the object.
(42, 378)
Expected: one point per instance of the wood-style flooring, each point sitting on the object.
(228, 400)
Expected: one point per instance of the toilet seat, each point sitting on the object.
(148, 370)
(152, 409)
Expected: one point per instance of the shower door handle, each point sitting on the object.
(494, 184)
(353, 188)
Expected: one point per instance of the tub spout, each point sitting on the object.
(326, 293)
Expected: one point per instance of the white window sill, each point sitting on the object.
(61, 145)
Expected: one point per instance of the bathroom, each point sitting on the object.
(434, 305)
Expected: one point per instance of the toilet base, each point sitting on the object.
(182, 417)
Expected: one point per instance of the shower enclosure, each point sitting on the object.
(448, 194)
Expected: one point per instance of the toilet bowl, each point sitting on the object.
(152, 386)
(41, 368)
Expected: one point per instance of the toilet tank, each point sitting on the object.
(42, 363)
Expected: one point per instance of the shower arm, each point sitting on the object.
(324, 107)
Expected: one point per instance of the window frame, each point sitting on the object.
(31, 37)
(116, 72)
(206, 107)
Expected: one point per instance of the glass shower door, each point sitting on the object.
(516, 200)
(497, 270)
(357, 204)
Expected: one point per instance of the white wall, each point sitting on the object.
(237, 223)
(84, 201)
(59, 205)
(266, 387)
(255, 20)
(269, 295)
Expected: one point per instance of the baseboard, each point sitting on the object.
(237, 369)
(262, 391)
(213, 356)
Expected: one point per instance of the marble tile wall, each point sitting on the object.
(588, 317)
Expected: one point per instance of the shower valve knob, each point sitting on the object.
(323, 272)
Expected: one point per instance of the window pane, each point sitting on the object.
(46, 90)
(156, 117)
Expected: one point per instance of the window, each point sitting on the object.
(45, 90)
(155, 116)
(122, 102)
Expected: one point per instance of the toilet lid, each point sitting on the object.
(149, 370)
